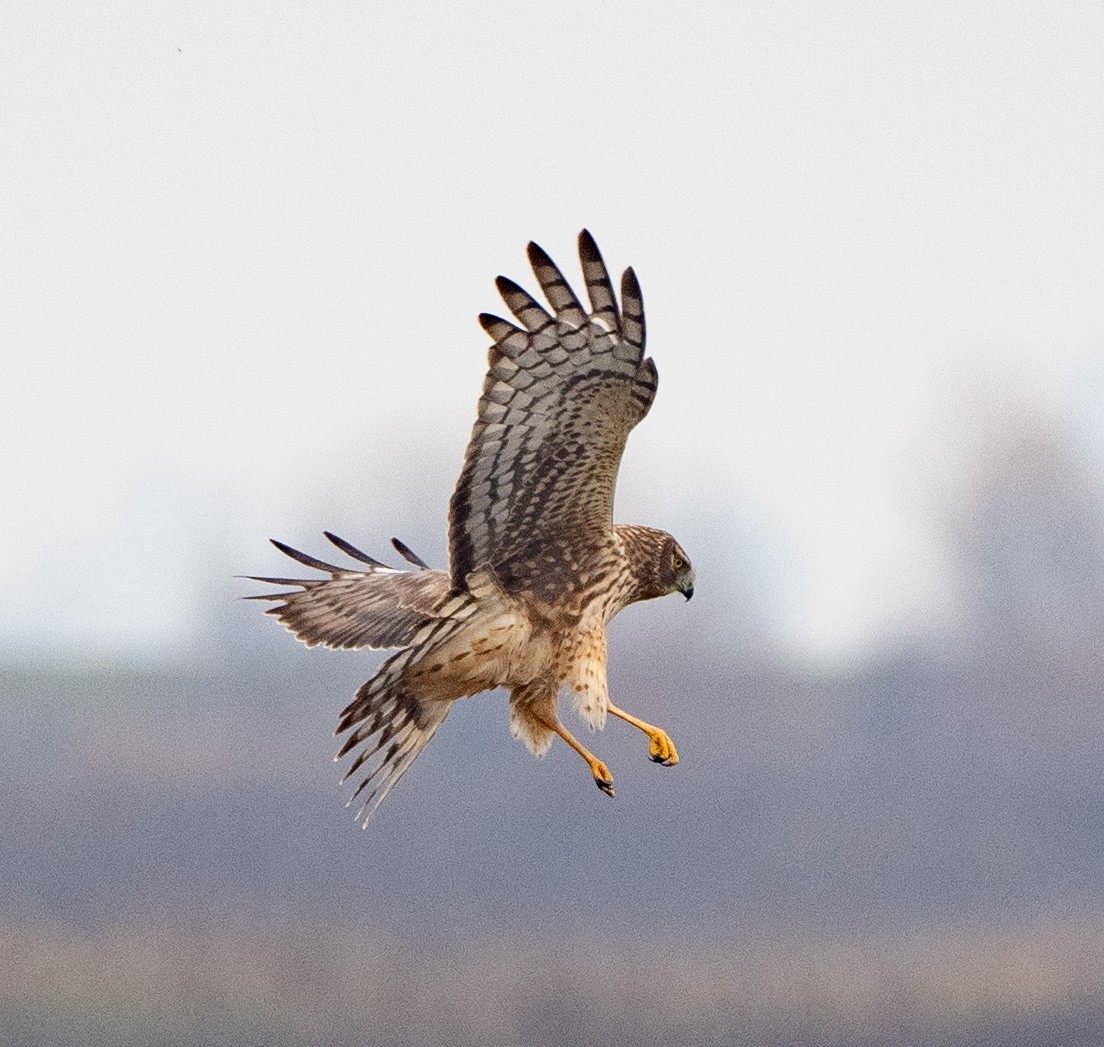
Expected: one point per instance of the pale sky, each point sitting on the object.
(245, 245)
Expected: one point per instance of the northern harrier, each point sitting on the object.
(537, 567)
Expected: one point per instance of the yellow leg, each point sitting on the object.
(602, 777)
(661, 749)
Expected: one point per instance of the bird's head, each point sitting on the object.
(659, 564)
(681, 571)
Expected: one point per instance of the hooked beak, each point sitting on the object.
(688, 591)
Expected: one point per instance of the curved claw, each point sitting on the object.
(602, 777)
(661, 749)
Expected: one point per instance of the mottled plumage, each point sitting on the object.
(537, 566)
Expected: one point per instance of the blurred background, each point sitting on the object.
(244, 252)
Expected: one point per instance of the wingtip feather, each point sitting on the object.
(409, 555)
(351, 550)
(305, 558)
(588, 247)
(632, 309)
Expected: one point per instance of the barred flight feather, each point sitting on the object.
(376, 608)
(559, 401)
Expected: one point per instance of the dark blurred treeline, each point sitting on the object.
(182, 832)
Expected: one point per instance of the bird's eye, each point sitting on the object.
(679, 563)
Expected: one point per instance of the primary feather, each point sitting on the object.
(378, 608)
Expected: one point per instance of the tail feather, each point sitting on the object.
(393, 716)
(396, 761)
(393, 724)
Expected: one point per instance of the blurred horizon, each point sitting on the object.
(1008, 489)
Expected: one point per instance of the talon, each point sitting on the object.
(602, 777)
(662, 749)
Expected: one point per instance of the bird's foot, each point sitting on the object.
(662, 749)
(602, 777)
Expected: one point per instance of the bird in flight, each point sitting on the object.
(537, 567)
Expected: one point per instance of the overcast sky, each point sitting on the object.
(245, 245)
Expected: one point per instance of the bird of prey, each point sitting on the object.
(537, 567)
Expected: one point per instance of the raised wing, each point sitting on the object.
(376, 607)
(563, 391)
